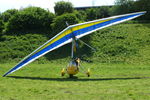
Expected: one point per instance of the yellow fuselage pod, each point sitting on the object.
(72, 68)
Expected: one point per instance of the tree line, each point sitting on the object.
(38, 20)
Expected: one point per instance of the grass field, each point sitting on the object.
(120, 68)
(107, 82)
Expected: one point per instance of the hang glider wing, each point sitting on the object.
(78, 31)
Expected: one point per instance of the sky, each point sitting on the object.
(49, 4)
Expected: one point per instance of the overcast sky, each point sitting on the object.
(49, 4)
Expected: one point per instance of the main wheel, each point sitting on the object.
(63, 72)
(88, 73)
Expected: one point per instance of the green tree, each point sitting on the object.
(60, 21)
(143, 5)
(97, 13)
(1, 26)
(32, 19)
(123, 6)
(81, 15)
(8, 14)
(92, 14)
(103, 12)
(0, 16)
(62, 7)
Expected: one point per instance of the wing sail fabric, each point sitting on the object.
(78, 31)
(81, 30)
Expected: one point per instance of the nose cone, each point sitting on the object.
(72, 69)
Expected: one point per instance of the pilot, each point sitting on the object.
(77, 61)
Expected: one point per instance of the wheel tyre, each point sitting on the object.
(63, 72)
(88, 73)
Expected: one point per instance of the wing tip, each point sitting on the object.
(4, 75)
(7, 73)
(144, 12)
(141, 12)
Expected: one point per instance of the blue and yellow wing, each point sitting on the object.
(78, 31)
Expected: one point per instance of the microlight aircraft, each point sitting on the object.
(71, 34)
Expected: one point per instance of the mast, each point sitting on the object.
(73, 47)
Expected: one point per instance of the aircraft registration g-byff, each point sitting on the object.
(70, 34)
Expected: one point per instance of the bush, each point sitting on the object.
(97, 13)
(17, 47)
(123, 6)
(8, 14)
(81, 15)
(1, 29)
(60, 22)
(92, 14)
(32, 19)
(1, 25)
(143, 5)
(63, 7)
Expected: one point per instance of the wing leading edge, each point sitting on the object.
(77, 30)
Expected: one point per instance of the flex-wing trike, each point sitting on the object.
(71, 34)
(74, 65)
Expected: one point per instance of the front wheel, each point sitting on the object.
(63, 72)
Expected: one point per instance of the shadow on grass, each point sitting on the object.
(73, 79)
